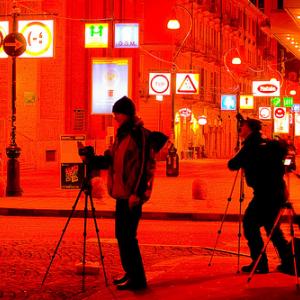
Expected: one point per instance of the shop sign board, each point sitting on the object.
(246, 102)
(4, 28)
(228, 102)
(266, 88)
(126, 35)
(265, 112)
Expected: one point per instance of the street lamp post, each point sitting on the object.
(174, 25)
(14, 44)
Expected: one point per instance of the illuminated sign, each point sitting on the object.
(126, 35)
(4, 28)
(246, 102)
(275, 101)
(228, 102)
(281, 125)
(39, 37)
(266, 88)
(297, 124)
(288, 101)
(159, 83)
(296, 108)
(111, 80)
(96, 35)
(185, 112)
(279, 112)
(187, 83)
(265, 112)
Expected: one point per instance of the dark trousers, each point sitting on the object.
(126, 224)
(257, 216)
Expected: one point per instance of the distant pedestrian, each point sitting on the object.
(264, 173)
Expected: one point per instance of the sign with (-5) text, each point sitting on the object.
(126, 35)
(246, 102)
(228, 102)
(96, 35)
(4, 27)
(39, 38)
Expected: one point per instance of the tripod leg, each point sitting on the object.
(242, 196)
(265, 246)
(84, 238)
(223, 219)
(292, 233)
(63, 232)
(98, 239)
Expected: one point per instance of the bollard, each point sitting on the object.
(199, 189)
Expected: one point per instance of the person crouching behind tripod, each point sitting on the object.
(269, 189)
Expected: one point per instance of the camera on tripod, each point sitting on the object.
(87, 151)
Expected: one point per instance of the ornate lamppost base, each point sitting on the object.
(13, 172)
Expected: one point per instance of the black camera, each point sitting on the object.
(87, 151)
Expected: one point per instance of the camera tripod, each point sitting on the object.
(241, 199)
(86, 188)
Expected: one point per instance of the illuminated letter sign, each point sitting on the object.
(266, 88)
(126, 35)
(187, 83)
(228, 102)
(96, 35)
(246, 102)
(3, 33)
(111, 80)
(39, 37)
(159, 83)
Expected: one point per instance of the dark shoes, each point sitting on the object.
(286, 268)
(120, 280)
(131, 285)
(262, 268)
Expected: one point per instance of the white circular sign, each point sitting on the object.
(159, 84)
(265, 113)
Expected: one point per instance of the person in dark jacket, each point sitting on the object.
(130, 179)
(264, 173)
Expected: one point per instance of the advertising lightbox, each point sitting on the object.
(111, 80)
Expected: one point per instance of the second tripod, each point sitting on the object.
(86, 188)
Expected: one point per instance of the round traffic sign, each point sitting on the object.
(14, 44)
(159, 84)
(279, 112)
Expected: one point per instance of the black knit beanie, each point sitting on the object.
(253, 124)
(124, 106)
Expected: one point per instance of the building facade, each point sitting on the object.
(54, 94)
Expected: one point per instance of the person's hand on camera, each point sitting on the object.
(133, 201)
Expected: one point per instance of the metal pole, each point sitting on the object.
(13, 151)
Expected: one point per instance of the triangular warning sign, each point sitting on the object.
(187, 85)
